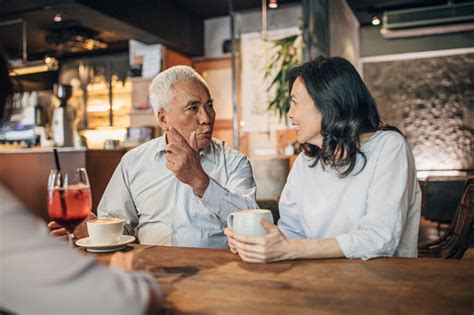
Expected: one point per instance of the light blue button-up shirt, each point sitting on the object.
(161, 210)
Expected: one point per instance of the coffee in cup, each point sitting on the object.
(105, 231)
(247, 222)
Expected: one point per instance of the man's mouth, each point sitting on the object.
(205, 134)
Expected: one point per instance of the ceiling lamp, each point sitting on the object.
(23, 66)
(273, 4)
(47, 64)
(71, 36)
(375, 20)
(57, 17)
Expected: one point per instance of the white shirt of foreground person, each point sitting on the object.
(371, 214)
(161, 210)
(41, 275)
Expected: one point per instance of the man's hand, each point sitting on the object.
(79, 232)
(182, 158)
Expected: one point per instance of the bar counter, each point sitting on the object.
(25, 172)
(214, 281)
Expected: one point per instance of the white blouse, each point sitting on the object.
(373, 213)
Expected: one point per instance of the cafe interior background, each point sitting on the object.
(94, 62)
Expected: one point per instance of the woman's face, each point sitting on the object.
(304, 115)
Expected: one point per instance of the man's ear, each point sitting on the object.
(163, 120)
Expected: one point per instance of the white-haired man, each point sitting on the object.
(178, 189)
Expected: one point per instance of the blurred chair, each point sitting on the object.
(456, 239)
(272, 205)
(441, 195)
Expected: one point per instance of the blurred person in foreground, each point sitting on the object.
(42, 275)
(353, 192)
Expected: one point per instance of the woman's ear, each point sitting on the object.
(163, 120)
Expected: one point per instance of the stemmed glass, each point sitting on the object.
(69, 199)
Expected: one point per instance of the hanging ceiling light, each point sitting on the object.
(375, 20)
(273, 4)
(57, 17)
(47, 64)
(24, 66)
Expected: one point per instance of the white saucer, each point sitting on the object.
(96, 248)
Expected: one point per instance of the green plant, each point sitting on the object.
(288, 52)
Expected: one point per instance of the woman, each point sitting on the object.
(41, 275)
(353, 192)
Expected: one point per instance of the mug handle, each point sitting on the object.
(230, 221)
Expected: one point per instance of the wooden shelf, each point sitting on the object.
(141, 111)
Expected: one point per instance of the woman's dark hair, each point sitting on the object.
(6, 88)
(347, 108)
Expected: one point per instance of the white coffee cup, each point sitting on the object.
(247, 222)
(105, 231)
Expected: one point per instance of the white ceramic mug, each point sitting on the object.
(105, 231)
(247, 222)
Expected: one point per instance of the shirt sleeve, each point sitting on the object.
(117, 200)
(42, 275)
(378, 232)
(237, 194)
(289, 222)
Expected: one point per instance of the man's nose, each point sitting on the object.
(204, 118)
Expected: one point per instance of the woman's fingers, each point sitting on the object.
(228, 232)
(251, 240)
(249, 249)
(252, 258)
(231, 243)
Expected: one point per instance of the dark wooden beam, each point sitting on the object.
(173, 26)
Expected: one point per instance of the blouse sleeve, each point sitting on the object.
(289, 221)
(378, 232)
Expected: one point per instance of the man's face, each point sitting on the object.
(191, 109)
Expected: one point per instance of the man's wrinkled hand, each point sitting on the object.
(182, 158)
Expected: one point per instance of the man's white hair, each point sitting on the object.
(161, 86)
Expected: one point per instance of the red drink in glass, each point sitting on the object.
(69, 199)
(78, 203)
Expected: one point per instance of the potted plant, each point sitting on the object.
(288, 52)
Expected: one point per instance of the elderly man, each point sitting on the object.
(178, 189)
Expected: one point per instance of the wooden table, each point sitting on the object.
(209, 281)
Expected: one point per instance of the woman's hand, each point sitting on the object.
(261, 249)
(230, 235)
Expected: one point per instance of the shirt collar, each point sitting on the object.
(208, 153)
